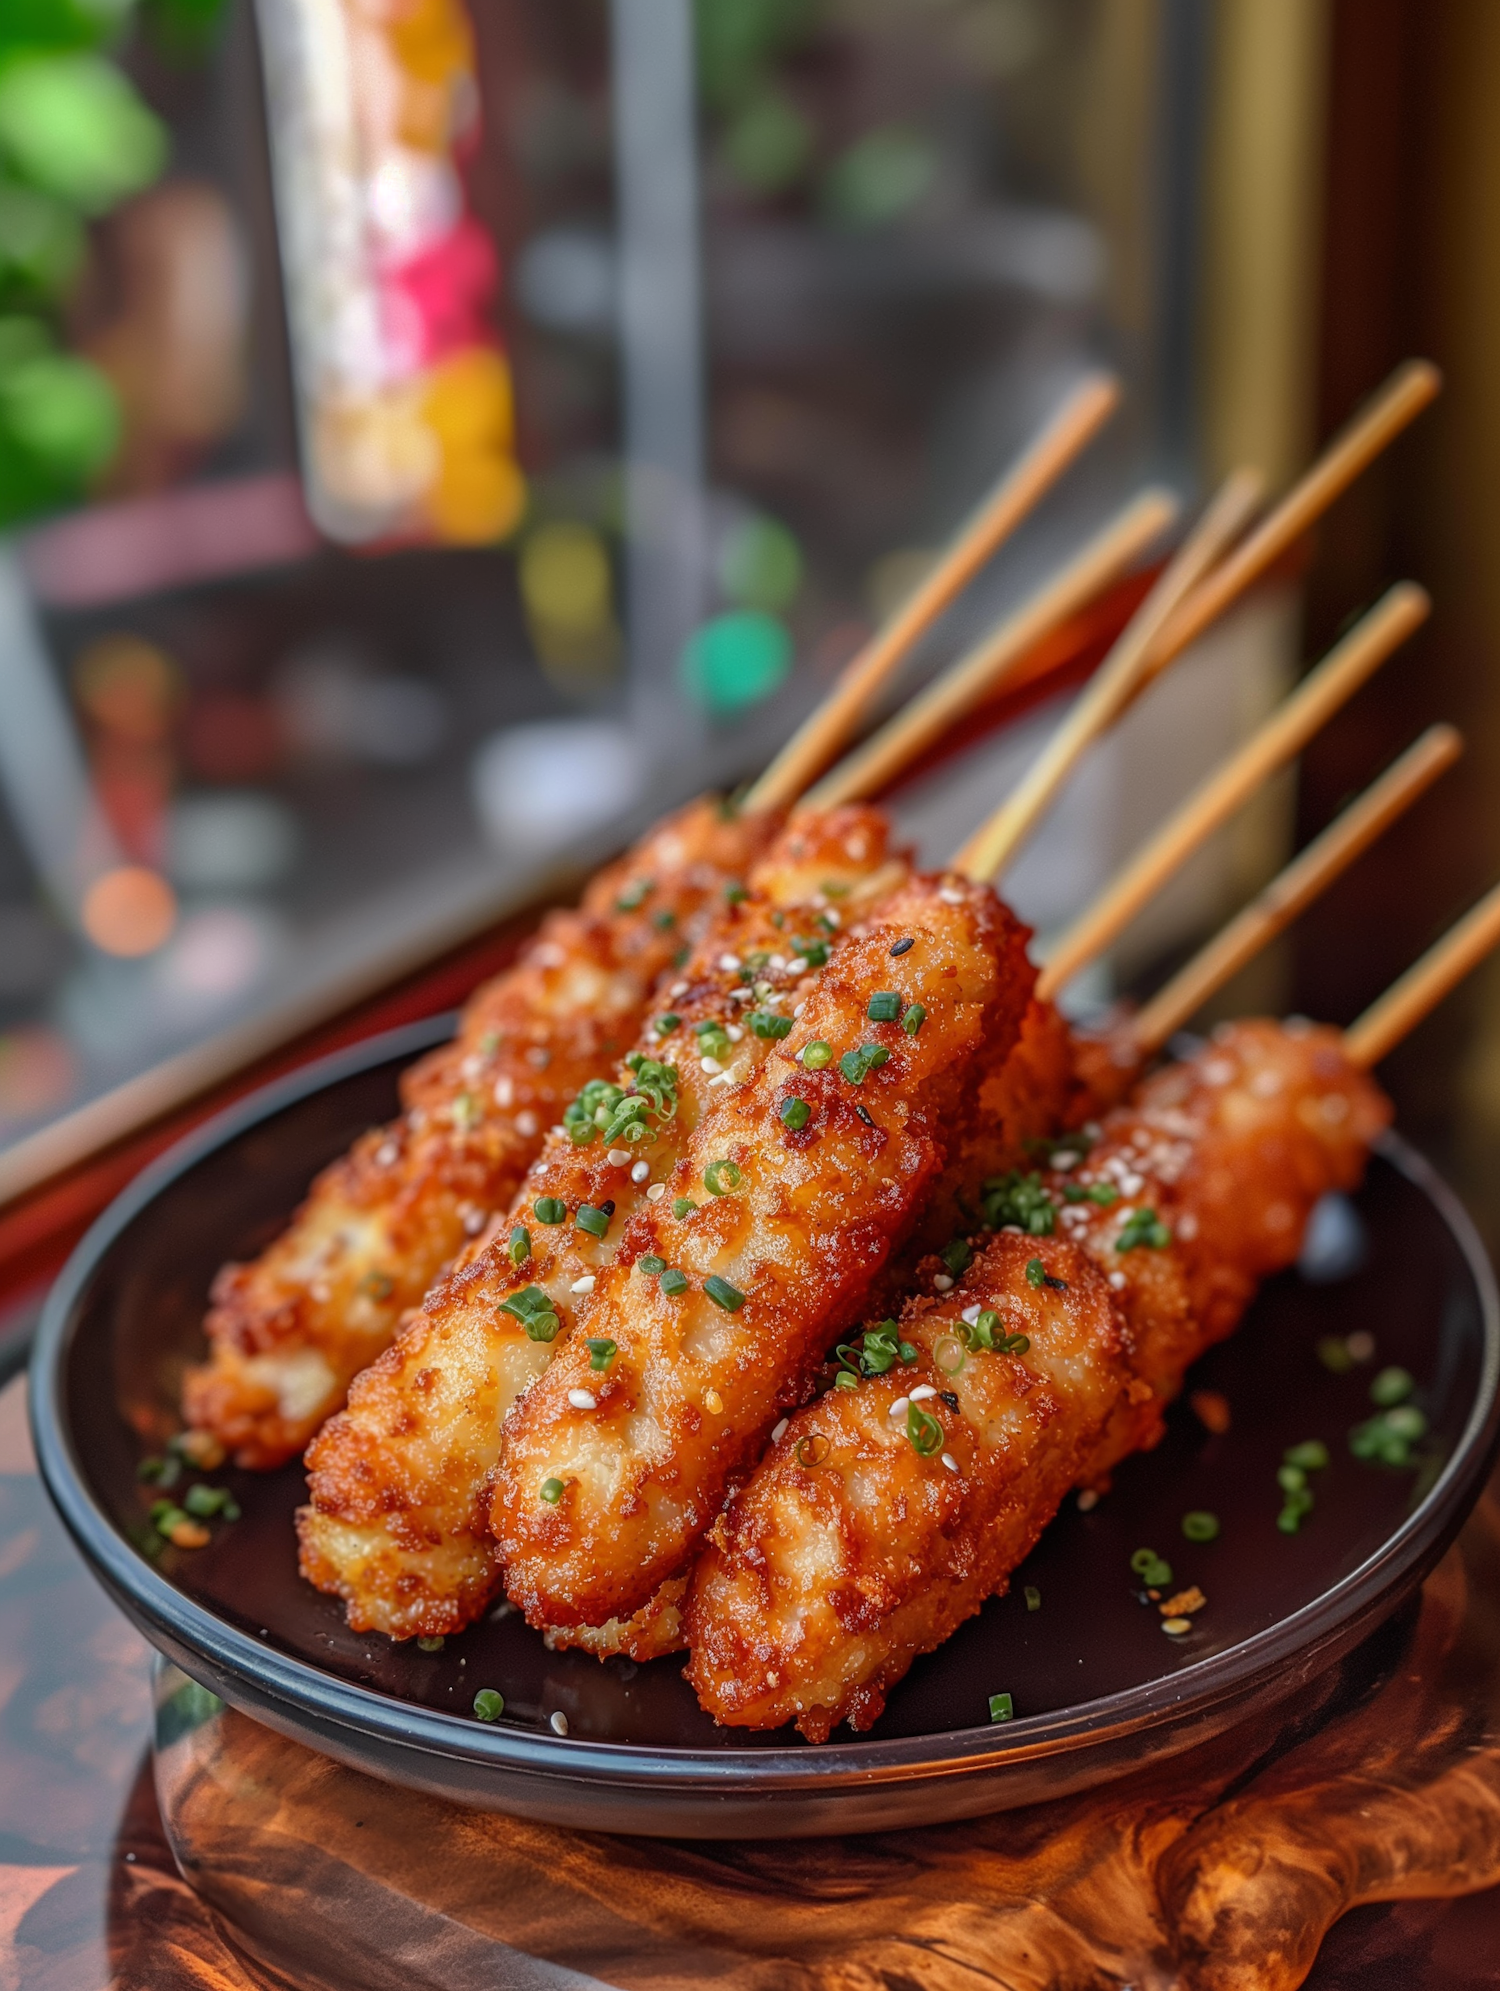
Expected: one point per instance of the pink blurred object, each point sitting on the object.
(437, 302)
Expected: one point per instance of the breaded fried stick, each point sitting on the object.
(885, 1514)
(785, 1206)
(290, 1330)
(395, 1526)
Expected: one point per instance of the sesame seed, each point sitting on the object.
(677, 989)
(712, 1402)
(1088, 1500)
(1131, 1185)
(971, 1314)
(527, 1124)
(558, 1722)
(641, 1170)
(951, 895)
(778, 962)
(780, 1431)
(950, 1462)
(799, 1009)
(617, 1157)
(583, 1285)
(583, 1399)
(921, 1393)
(734, 1033)
(731, 963)
(386, 1153)
(1117, 1280)
(797, 965)
(1175, 1627)
(900, 1407)
(655, 1193)
(711, 1065)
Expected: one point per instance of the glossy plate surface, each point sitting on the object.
(1097, 1686)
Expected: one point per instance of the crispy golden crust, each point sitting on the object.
(821, 1587)
(805, 1222)
(851, 1552)
(395, 1524)
(1231, 1148)
(289, 1331)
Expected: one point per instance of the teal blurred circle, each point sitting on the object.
(736, 660)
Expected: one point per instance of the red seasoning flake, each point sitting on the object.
(1212, 1411)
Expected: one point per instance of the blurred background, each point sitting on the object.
(435, 436)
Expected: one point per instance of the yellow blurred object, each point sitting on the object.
(129, 911)
(129, 687)
(469, 401)
(567, 591)
(478, 497)
(432, 39)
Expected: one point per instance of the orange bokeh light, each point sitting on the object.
(129, 911)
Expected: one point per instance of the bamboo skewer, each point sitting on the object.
(826, 730)
(1393, 618)
(1377, 1033)
(1403, 397)
(1289, 894)
(1108, 555)
(1125, 672)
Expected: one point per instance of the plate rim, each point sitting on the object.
(770, 1770)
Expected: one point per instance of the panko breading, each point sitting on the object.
(784, 1207)
(853, 1550)
(290, 1330)
(822, 1586)
(395, 1525)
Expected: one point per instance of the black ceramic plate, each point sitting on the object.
(1097, 1687)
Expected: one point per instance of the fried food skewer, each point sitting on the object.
(847, 1555)
(636, 1486)
(395, 1526)
(886, 1513)
(289, 1331)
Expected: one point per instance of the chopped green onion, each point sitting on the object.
(602, 1351)
(857, 1065)
(488, 1705)
(595, 1222)
(735, 892)
(1153, 1570)
(431, 1642)
(1103, 1193)
(957, 1255)
(1311, 1455)
(913, 1019)
(846, 1380)
(1291, 1479)
(1391, 1386)
(795, 1114)
(730, 1298)
(811, 1451)
(1018, 1199)
(650, 1264)
(634, 896)
(1143, 1227)
(884, 1006)
(534, 1310)
(664, 921)
(1334, 1354)
(666, 1024)
(683, 1206)
(1002, 1707)
(550, 1210)
(673, 1282)
(379, 1285)
(160, 1472)
(923, 1429)
(1033, 1597)
(204, 1501)
(766, 1023)
(720, 1177)
(1200, 1526)
(552, 1491)
(816, 1055)
(1036, 1273)
(520, 1244)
